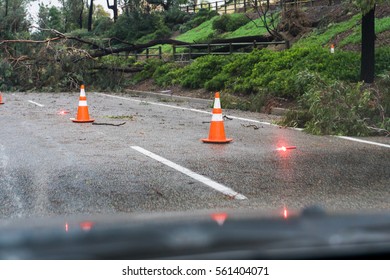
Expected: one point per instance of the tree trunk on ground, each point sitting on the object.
(367, 67)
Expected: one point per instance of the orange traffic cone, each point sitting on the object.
(217, 130)
(82, 112)
(1, 99)
(331, 48)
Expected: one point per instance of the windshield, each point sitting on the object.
(178, 112)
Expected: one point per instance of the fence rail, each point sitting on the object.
(147, 53)
(195, 50)
(190, 51)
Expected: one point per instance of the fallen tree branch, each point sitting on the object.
(118, 69)
(380, 131)
(112, 124)
(30, 41)
(251, 125)
(130, 48)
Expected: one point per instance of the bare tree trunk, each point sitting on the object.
(6, 7)
(81, 15)
(90, 16)
(114, 8)
(367, 67)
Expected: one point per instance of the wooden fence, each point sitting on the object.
(234, 6)
(195, 50)
(190, 51)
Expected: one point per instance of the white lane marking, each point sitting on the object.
(155, 103)
(35, 103)
(164, 94)
(207, 181)
(182, 108)
(239, 118)
(364, 141)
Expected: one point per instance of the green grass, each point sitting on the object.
(381, 25)
(319, 37)
(204, 31)
(199, 33)
(323, 37)
(249, 29)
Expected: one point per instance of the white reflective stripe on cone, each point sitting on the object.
(82, 92)
(83, 103)
(217, 103)
(217, 118)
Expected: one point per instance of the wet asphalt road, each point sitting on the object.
(50, 166)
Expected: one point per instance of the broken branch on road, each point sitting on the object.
(250, 125)
(112, 124)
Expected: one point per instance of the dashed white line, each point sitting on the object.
(239, 118)
(35, 103)
(207, 181)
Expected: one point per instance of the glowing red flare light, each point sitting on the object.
(284, 148)
(285, 213)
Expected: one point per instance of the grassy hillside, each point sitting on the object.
(321, 83)
(342, 33)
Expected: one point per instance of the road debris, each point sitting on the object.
(227, 118)
(112, 124)
(251, 125)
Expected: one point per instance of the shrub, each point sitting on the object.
(166, 74)
(201, 16)
(382, 58)
(150, 67)
(202, 70)
(228, 23)
(336, 108)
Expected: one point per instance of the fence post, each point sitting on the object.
(188, 9)
(235, 6)
(244, 6)
(254, 44)
(136, 55)
(209, 6)
(225, 7)
(190, 52)
(230, 48)
(194, 9)
(159, 52)
(287, 43)
(208, 48)
(147, 53)
(216, 6)
(174, 52)
(255, 3)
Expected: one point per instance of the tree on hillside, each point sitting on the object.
(367, 68)
(114, 8)
(167, 4)
(13, 17)
(90, 14)
(50, 18)
(73, 11)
